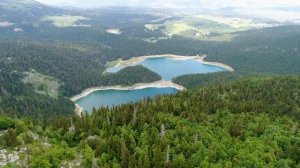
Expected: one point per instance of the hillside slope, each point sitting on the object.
(249, 123)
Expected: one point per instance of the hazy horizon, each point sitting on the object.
(279, 10)
(193, 4)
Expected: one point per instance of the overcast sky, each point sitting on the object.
(210, 4)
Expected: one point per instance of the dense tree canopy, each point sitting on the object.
(19, 100)
(77, 69)
(192, 81)
(249, 123)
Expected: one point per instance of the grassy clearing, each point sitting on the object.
(177, 28)
(199, 27)
(112, 63)
(205, 27)
(43, 84)
(222, 37)
(65, 20)
(232, 22)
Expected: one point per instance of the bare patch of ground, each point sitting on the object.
(43, 84)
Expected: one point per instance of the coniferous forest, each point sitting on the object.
(249, 123)
(245, 118)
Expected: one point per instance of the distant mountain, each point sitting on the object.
(23, 5)
(22, 11)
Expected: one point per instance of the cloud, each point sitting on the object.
(210, 4)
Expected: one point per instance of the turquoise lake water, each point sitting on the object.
(169, 68)
(165, 67)
(117, 97)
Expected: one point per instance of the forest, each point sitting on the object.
(193, 81)
(61, 60)
(247, 123)
(70, 63)
(246, 118)
(18, 99)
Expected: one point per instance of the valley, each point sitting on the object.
(151, 86)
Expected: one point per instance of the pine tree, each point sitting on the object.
(11, 138)
(124, 154)
(146, 163)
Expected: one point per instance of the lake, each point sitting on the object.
(169, 68)
(116, 97)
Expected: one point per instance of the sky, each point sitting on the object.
(209, 4)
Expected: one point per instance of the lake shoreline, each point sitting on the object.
(136, 60)
(79, 111)
(157, 84)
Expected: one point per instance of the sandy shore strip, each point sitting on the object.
(227, 67)
(79, 111)
(136, 60)
(158, 84)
